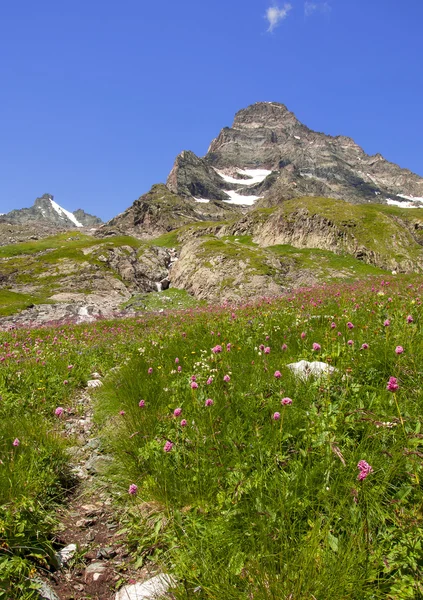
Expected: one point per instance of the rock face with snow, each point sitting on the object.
(160, 211)
(267, 138)
(266, 157)
(47, 212)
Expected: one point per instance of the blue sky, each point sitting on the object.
(98, 97)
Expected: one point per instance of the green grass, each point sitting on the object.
(11, 302)
(327, 264)
(248, 506)
(255, 258)
(243, 505)
(375, 226)
(171, 299)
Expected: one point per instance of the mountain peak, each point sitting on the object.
(265, 114)
(46, 211)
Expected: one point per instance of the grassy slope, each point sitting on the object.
(377, 227)
(38, 263)
(244, 505)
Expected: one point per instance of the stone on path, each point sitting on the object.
(152, 589)
(45, 592)
(93, 383)
(95, 571)
(65, 554)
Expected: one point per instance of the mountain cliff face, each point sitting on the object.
(267, 157)
(160, 211)
(47, 212)
(266, 140)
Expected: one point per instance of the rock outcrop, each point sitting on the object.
(161, 211)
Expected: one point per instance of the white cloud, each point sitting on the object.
(312, 7)
(275, 15)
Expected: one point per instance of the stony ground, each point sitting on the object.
(96, 561)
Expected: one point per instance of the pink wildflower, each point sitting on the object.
(16, 442)
(278, 374)
(333, 325)
(70, 367)
(122, 412)
(284, 347)
(184, 423)
(194, 385)
(168, 446)
(133, 489)
(364, 346)
(150, 370)
(176, 360)
(410, 319)
(209, 380)
(209, 402)
(177, 412)
(350, 325)
(276, 416)
(399, 350)
(392, 384)
(350, 343)
(217, 349)
(365, 470)
(316, 346)
(226, 378)
(141, 403)
(59, 411)
(228, 347)
(286, 401)
(267, 350)
(179, 368)
(386, 323)
(261, 347)
(193, 378)
(303, 335)
(65, 382)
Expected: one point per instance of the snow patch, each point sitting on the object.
(297, 137)
(404, 204)
(204, 200)
(254, 176)
(411, 198)
(65, 213)
(239, 199)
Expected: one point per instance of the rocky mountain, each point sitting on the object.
(272, 206)
(47, 212)
(160, 211)
(267, 157)
(268, 154)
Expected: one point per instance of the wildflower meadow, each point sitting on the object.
(237, 473)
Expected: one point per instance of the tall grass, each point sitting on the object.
(239, 503)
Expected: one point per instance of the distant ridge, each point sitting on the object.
(47, 212)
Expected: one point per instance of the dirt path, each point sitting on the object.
(100, 562)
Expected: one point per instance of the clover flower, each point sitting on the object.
(365, 470)
(392, 384)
